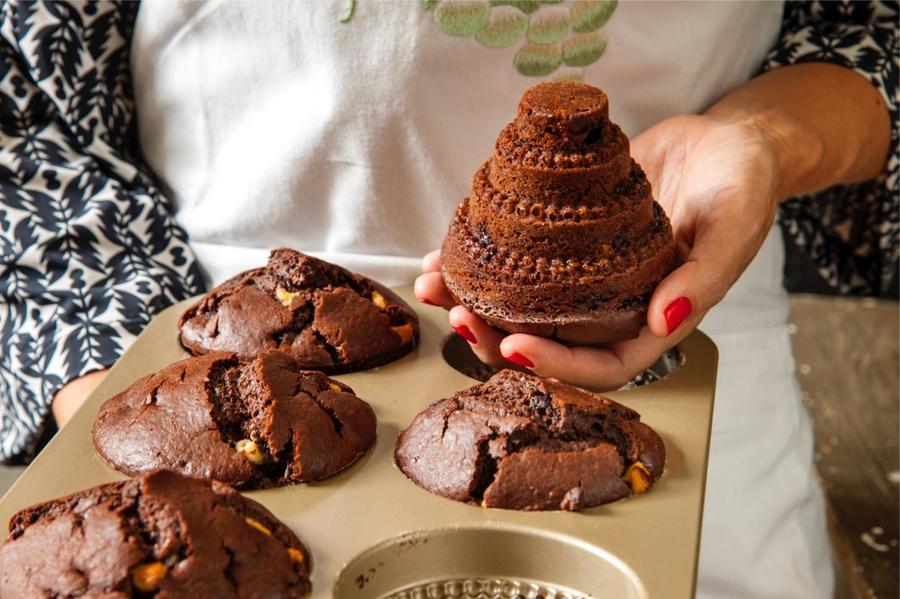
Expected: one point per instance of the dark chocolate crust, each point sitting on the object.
(521, 442)
(198, 539)
(560, 236)
(327, 317)
(199, 415)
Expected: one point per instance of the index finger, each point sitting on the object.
(431, 262)
(598, 368)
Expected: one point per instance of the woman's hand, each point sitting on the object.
(716, 180)
(719, 177)
(70, 397)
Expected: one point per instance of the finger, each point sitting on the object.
(603, 368)
(592, 368)
(432, 261)
(430, 289)
(483, 338)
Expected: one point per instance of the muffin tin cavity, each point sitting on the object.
(485, 562)
(459, 355)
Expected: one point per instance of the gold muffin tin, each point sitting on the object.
(373, 534)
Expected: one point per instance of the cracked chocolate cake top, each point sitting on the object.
(159, 535)
(521, 442)
(252, 424)
(560, 236)
(327, 317)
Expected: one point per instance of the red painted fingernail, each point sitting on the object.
(677, 312)
(520, 360)
(464, 332)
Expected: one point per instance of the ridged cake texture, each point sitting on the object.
(560, 236)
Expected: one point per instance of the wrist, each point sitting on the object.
(796, 154)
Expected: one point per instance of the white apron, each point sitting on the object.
(274, 123)
(764, 532)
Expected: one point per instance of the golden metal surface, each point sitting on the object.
(646, 545)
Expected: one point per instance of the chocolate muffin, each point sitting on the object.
(521, 442)
(160, 535)
(252, 425)
(328, 318)
(560, 236)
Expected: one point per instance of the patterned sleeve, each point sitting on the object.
(89, 248)
(850, 232)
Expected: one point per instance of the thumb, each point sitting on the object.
(714, 263)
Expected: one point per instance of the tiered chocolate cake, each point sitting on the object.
(560, 236)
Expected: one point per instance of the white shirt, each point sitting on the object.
(274, 123)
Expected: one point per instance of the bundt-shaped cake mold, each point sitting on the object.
(560, 236)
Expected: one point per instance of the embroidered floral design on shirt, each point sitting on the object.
(348, 14)
(552, 35)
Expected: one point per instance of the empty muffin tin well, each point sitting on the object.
(485, 562)
(643, 546)
(459, 355)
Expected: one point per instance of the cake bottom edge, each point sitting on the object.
(588, 327)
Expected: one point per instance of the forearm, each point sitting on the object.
(68, 399)
(826, 124)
